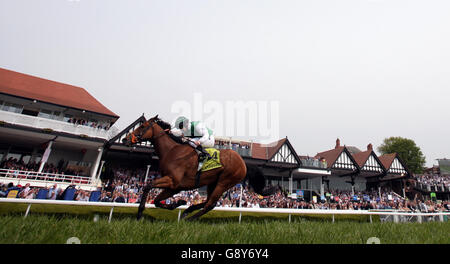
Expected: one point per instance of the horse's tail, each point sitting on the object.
(256, 179)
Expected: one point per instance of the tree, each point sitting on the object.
(408, 151)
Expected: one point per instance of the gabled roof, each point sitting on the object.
(387, 159)
(280, 151)
(266, 151)
(394, 164)
(35, 88)
(368, 161)
(330, 155)
(284, 153)
(339, 158)
(362, 157)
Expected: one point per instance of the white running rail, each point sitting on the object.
(394, 214)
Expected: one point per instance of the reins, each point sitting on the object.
(150, 125)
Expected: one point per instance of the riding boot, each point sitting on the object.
(203, 155)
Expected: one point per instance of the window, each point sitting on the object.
(10, 107)
(26, 158)
(14, 156)
(45, 113)
(57, 115)
(92, 123)
(67, 117)
(30, 112)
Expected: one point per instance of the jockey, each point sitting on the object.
(200, 136)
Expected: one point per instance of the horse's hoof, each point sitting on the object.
(190, 219)
(183, 215)
(139, 216)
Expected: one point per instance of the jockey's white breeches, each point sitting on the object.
(208, 143)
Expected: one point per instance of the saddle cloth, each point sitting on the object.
(212, 163)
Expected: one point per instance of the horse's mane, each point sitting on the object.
(163, 124)
(166, 126)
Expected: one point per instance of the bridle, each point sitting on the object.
(139, 136)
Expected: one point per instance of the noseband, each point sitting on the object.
(142, 133)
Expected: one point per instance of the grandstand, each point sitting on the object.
(50, 124)
(434, 182)
(444, 166)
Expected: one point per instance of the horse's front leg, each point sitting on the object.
(141, 208)
(170, 188)
(167, 193)
(166, 183)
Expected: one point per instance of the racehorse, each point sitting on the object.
(178, 165)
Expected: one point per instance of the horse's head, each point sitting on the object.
(146, 131)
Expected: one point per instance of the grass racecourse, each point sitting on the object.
(56, 224)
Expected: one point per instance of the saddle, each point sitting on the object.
(208, 158)
(207, 162)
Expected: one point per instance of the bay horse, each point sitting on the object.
(178, 165)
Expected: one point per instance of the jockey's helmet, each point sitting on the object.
(181, 122)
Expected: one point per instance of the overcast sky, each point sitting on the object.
(359, 70)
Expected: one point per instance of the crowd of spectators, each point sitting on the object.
(243, 148)
(232, 145)
(20, 165)
(120, 192)
(84, 122)
(126, 187)
(14, 164)
(337, 200)
(433, 179)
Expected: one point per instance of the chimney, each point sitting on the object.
(338, 143)
(370, 147)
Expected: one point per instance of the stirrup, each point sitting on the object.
(200, 165)
(202, 157)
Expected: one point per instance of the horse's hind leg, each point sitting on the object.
(210, 203)
(194, 207)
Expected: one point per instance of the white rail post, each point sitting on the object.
(395, 218)
(370, 217)
(47, 152)
(179, 215)
(96, 165)
(289, 218)
(419, 219)
(28, 210)
(441, 217)
(102, 163)
(240, 197)
(322, 187)
(110, 214)
(240, 217)
(333, 218)
(146, 173)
